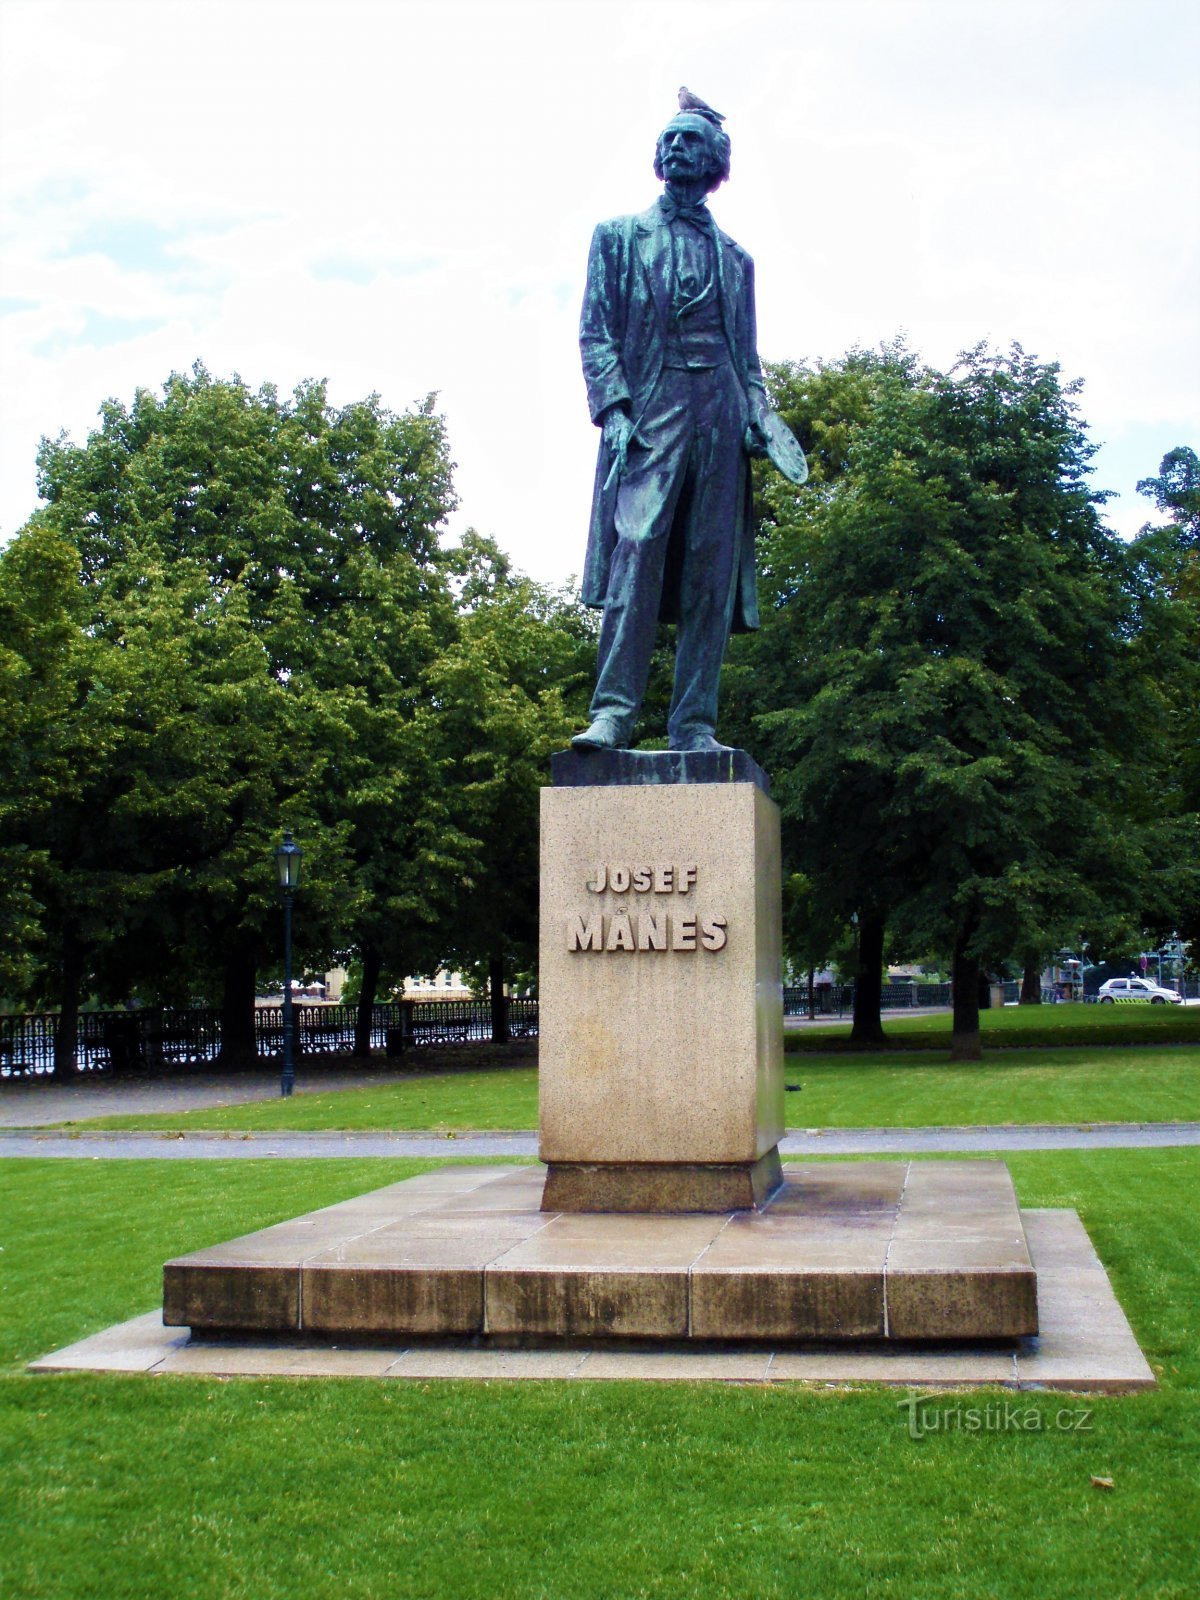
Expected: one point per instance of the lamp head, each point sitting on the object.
(287, 860)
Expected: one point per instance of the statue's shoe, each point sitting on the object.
(603, 734)
(701, 744)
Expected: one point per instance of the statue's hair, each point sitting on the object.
(719, 149)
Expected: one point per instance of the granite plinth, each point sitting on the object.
(661, 998)
(845, 1252)
(587, 768)
(661, 1186)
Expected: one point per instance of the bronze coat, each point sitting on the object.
(623, 341)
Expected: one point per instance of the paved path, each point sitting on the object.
(833, 1142)
(33, 1105)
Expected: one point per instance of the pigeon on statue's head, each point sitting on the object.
(692, 102)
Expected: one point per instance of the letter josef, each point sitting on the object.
(662, 877)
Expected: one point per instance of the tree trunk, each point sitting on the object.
(239, 1046)
(371, 965)
(964, 1036)
(499, 999)
(66, 1029)
(868, 984)
(1031, 983)
(812, 994)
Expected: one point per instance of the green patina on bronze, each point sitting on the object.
(670, 359)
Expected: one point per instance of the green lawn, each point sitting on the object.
(1071, 1085)
(126, 1486)
(503, 1097)
(909, 1089)
(1020, 1027)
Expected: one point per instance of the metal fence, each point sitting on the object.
(152, 1041)
(837, 999)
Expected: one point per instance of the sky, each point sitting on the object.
(398, 196)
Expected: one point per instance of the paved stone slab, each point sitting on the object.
(992, 1295)
(901, 1366)
(424, 1275)
(1086, 1342)
(689, 1366)
(487, 1364)
(847, 1251)
(593, 1276)
(846, 1187)
(810, 1267)
(138, 1345)
(278, 1361)
(958, 1264)
(256, 1282)
(1067, 1356)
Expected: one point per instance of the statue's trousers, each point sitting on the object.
(678, 510)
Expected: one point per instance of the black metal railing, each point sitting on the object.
(149, 1042)
(837, 999)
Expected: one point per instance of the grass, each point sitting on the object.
(1021, 1027)
(913, 1089)
(500, 1098)
(127, 1486)
(1009, 1087)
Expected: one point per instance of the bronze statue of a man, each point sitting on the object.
(674, 382)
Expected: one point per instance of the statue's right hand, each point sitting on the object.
(618, 427)
(619, 437)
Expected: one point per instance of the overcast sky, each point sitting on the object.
(399, 197)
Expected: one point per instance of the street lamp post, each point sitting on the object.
(287, 860)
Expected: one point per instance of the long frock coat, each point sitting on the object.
(623, 341)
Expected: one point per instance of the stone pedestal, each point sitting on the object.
(661, 1095)
(846, 1252)
(661, 1001)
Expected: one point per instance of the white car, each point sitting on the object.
(1144, 989)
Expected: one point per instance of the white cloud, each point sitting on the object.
(399, 197)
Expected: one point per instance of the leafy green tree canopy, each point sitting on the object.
(939, 687)
(259, 592)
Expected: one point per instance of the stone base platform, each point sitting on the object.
(924, 1252)
(1085, 1346)
(658, 1186)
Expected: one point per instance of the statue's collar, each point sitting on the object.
(698, 215)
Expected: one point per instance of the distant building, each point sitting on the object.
(442, 986)
(328, 990)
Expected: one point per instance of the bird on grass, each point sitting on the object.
(692, 102)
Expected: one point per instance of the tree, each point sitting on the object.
(116, 777)
(1167, 563)
(40, 672)
(797, 693)
(514, 687)
(942, 674)
(271, 572)
(1176, 492)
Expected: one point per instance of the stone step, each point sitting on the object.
(845, 1251)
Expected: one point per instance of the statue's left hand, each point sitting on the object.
(755, 440)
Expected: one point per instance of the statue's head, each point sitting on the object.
(693, 146)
